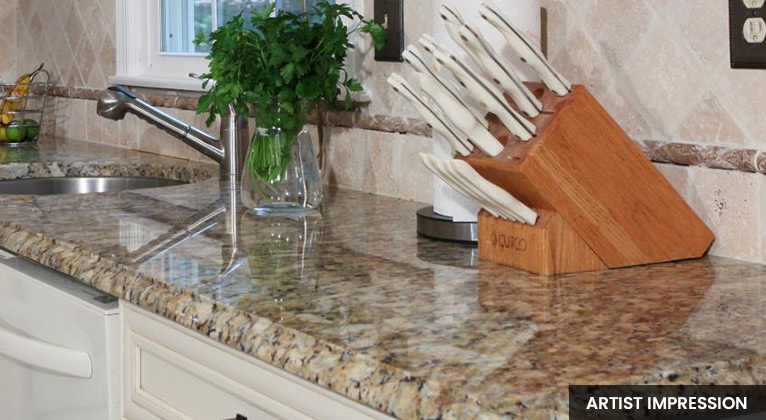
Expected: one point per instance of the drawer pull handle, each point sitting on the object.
(239, 417)
(46, 356)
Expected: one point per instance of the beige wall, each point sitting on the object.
(74, 38)
(660, 66)
(8, 20)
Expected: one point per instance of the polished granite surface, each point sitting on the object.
(350, 298)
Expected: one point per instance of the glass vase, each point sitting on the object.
(281, 172)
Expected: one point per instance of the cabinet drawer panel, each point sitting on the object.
(173, 373)
(182, 388)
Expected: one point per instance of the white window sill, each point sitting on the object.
(154, 82)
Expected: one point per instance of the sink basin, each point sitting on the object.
(81, 185)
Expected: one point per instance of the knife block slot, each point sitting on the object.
(602, 203)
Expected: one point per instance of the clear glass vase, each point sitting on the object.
(281, 172)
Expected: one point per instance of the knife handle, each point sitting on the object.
(462, 118)
(501, 74)
(432, 117)
(526, 49)
(489, 95)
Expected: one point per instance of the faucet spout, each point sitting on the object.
(228, 151)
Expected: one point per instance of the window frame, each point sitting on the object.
(139, 62)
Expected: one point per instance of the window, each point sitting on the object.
(155, 38)
(183, 20)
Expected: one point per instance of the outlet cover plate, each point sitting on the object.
(744, 54)
(390, 13)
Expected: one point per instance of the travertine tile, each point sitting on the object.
(345, 157)
(76, 126)
(709, 122)
(413, 180)
(627, 114)
(662, 80)
(678, 176)
(582, 64)
(728, 202)
(381, 163)
(701, 26)
(618, 26)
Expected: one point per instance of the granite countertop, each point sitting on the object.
(350, 298)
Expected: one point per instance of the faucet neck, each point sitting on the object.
(235, 140)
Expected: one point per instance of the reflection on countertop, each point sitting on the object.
(350, 298)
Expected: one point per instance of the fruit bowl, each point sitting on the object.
(22, 108)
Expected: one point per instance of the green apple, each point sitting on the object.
(32, 128)
(15, 132)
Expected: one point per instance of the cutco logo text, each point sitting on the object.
(509, 242)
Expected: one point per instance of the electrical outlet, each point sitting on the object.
(390, 14)
(747, 33)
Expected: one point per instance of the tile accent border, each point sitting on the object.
(685, 154)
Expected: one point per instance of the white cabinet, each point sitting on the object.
(171, 373)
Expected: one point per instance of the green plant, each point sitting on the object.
(281, 64)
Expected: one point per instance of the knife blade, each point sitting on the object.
(526, 49)
(488, 95)
(417, 62)
(469, 37)
(432, 115)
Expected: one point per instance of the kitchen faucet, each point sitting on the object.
(229, 150)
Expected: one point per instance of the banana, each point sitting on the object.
(16, 95)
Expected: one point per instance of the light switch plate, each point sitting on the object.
(747, 34)
(390, 14)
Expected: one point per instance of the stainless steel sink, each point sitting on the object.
(81, 185)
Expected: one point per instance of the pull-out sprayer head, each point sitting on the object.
(113, 103)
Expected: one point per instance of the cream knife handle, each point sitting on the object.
(413, 57)
(453, 168)
(501, 74)
(429, 161)
(526, 50)
(491, 97)
(463, 147)
(502, 198)
(462, 118)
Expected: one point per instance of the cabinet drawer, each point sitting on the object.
(172, 373)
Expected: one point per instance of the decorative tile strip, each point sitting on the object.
(715, 157)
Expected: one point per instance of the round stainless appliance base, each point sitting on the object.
(435, 226)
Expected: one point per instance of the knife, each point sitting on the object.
(433, 116)
(449, 167)
(412, 56)
(459, 115)
(463, 178)
(501, 74)
(469, 37)
(526, 49)
(430, 162)
(488, 95)
(501, 197)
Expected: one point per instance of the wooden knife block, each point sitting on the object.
(602, 203)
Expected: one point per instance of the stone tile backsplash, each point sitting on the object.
(659, 66)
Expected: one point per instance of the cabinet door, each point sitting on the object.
(170, 373)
